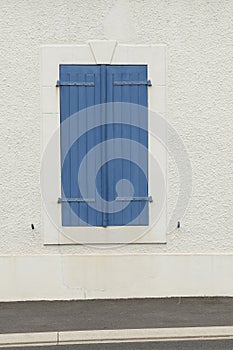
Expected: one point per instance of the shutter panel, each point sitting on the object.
(79, 89)
(129, 84)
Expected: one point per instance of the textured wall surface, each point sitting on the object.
(199, 37)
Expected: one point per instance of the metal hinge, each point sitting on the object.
(127, 199)
(73, 83)
(64, 200)
(118, 83)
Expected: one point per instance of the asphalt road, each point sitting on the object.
(44, 316)
(180, 345)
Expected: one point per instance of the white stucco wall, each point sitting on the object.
(198, 35)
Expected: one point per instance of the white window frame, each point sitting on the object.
(100, 52)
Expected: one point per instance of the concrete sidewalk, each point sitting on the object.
(58, 316)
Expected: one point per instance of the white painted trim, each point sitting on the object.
(116, 336)
(91, 53)
(114, 276)
(103, 50)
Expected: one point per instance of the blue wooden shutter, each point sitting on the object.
(128, 84)
(83, 86)
(79, 89)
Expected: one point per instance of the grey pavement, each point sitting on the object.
(177, 345)
(46, 316)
